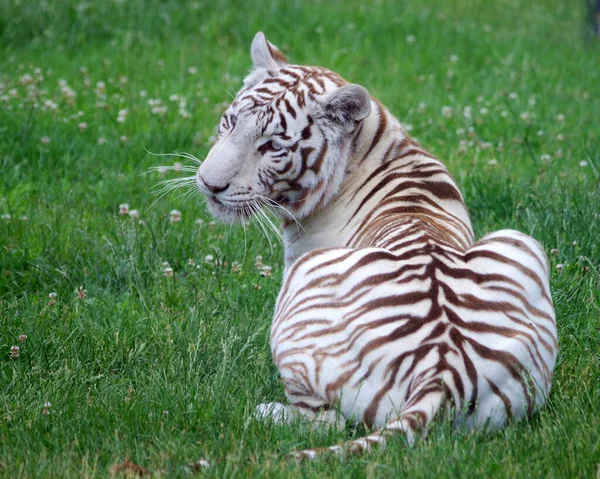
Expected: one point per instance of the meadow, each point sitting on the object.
(134, 330)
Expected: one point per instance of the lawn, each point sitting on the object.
(141, 333)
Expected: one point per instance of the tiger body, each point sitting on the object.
(389, 313)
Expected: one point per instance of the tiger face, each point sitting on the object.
(284, 141)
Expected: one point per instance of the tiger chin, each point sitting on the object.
(390, 314)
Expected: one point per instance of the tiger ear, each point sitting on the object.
(265, 55)
(348, 103)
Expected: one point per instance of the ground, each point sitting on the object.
(141, 340)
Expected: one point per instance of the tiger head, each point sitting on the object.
(284, 141)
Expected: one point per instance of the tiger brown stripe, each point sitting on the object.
(390, 314)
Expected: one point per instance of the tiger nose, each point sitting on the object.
(214, 188)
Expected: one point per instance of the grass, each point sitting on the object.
(166, 370)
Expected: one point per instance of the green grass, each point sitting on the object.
(195, 344)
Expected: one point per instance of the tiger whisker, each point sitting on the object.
(189, 156)
(274, 204)
(254, 208)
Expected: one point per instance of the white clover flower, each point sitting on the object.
(122, 116)
(50, 105)
(483, 111)
(447, 111)
(45, 140)
(26, 79)
(560, 117)
(82, 126)
(175, 216)
(168, 272)
(467, 111)
(15, 351)
(124, 209)
(411, 39)
(453, 58)
(492, 161)
(101, 140)
(560, 267)
(266, 271)
(134, 213)
(583, 163)
(174, 97)
(192, 70)
(52, 295)
(209, 258)
(513, 96)
(545, 157)
(159, 110)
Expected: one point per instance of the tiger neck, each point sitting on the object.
(379, 145)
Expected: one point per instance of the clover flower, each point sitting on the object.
(266, 271)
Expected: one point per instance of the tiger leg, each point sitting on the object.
(414, 420)
(321, 416)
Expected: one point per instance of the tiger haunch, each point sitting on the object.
(388, 310)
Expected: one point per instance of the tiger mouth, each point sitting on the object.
(243, 210)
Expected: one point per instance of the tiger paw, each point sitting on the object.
(273, 411)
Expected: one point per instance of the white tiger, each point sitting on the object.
(388, 313)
